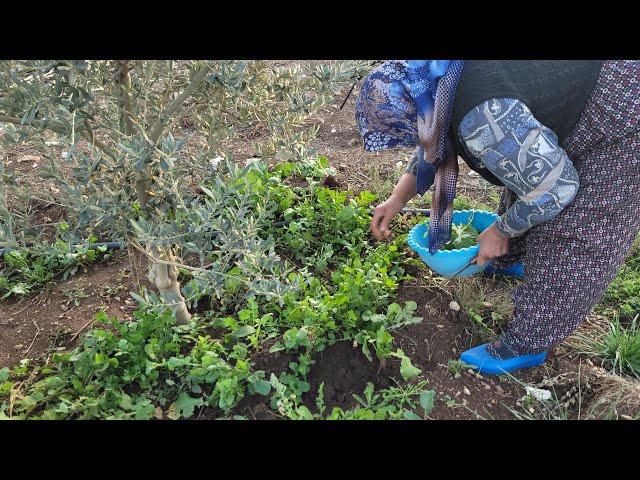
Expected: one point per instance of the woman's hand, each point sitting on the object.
(382, 216)
(404, 191)
(493, 244)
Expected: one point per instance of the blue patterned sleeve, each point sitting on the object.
(412, 166)
(505, 137)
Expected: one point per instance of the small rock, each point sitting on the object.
(19, 346)
(499, 389)
(457, 375)
(64, 154)
(453, 305)
(440, 326)
(487, 304)
(342, 167)
(531, 410)
(333, 130)
(466, 391)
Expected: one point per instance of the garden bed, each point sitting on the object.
(54, 320)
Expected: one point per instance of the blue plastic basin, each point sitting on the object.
(447, 262)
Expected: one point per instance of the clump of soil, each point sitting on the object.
(344, 370)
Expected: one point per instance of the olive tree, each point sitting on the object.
(130, 169)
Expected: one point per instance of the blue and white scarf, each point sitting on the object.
(408, 103)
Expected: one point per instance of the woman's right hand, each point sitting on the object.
(382, 216)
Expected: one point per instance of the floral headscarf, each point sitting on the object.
(408, 103)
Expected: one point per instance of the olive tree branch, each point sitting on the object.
(164, 117)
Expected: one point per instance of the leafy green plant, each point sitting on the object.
(24, 271)
(456, 367)
(152, 368)
(391, 403)
(462, 236)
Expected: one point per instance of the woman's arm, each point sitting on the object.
(404, 191)
(524, 154)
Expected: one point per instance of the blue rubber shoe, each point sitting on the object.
(516, 270)
(480, 359)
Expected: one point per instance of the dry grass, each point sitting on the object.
(615, 397)
(486, 301)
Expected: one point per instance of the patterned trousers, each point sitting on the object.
(570, 260)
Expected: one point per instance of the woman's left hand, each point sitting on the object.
(493, 244)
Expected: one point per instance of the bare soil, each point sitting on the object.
(50, 319)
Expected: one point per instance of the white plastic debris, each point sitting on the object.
(538, 393)
(399, 164)
(64, 154)
(214, 162)
(333, 130)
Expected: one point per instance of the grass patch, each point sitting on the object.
(615, 346)
(623, 294)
